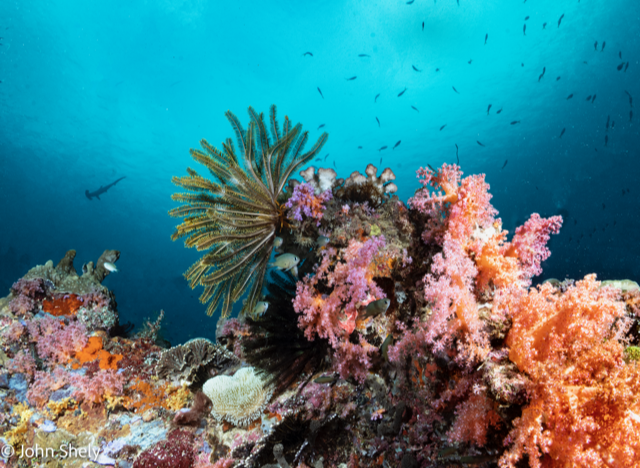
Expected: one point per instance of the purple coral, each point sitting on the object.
(55, 340)
(305, 201)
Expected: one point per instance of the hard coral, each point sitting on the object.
(372, 189)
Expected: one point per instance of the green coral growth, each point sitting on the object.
(632, 353)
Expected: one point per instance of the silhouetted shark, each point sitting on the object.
(101, 190)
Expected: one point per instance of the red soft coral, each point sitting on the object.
(583, 408)
(56, 341)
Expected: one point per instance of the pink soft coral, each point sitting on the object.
(583, 408)
(56, 341)
(100, 385)
(305, 201)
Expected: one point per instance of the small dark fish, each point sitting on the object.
(410, 2)
(454, 88)
(486, 36)
(593, 99)
(608, 120)
(497, 112)
(383, 148)
(560, 21)
(569, 96)
(443, 127)
(359, 147)
(469, 62)
(376, 98)
(505, 164)
(620, 54)
(620, 66)
(437, 69)
(603, 44)
(544, 25)
(380, 163)
(589, 97)
(479, 143)
(318, 159)
(613, 124)
(524, 29)
(606, 140)
(488, 109)
(515, 122)
(414, 67)
(351, 79)
(364, 55)
(325, 379)
(320, 93)
(321, 125)
(526, 18)
(307, 53)
(630, 98)
(522, 64)
(378, 121)
(595, 46)
(334, 164)
(626, 66)
(397, 144)
(415, 109)
(423, 26)
(558, 79)
(402, 92)
(544, 69)
(562, 132)
(325, 158)
(457, 158)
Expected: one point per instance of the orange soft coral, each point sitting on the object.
(92, 351)
(584, 409)
(65, 305)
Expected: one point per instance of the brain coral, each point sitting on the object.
(239, 399)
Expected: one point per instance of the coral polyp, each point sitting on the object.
(235, 217)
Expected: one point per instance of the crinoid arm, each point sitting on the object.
(235, 216)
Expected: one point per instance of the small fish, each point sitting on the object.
(321, 241)
(595, 46)
(307, 53)
(443, 127)
(486, 36)
(524, 30)
(364, 55)
(589, 97)
(515, 122)
(603, 44)
(359, 147)
(423, 26)
(454, 88)
(325, 158)
(606, 140)
(560, 21)
(569, 96)
(318, 159)
(260, 308)
(414, 67)
(320, 93)
(505, 164)
(479, 143)
(110, 267)
(383, 148)
(415, 109)
(375, 308)
(376, 98)
(326, 379)
(593, 99)
(625, 67)
(558, 79)
(351, 79)
(620, 54)
(437, 69)
(608, 120)
(285, 262)
(620, 66)
(402, 92)
(321, 125)
(544, 69)
(378, 121)
(488, 109)
(522, 64)
(396, 145)
(544, 25)
(334, 164)
(457, 158)
(410, 2)
(380, 162)
(526, 18)
(562, 132)
(277, 242)
(613, 124)
(384, 348)
(497, 112)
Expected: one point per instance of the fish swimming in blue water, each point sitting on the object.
(595, 46)
(488, 109)
(454, 88)
(479, 143)
(486, 36)
(378, 121)
(562, 132)
(415, 109)
(560, 21)
(364, 55)
(320, 93)
(321, 125)
(383, 148)
(414, 67)
(524, 30)
(505, 164)
(402, 92)
(544, 69)
(307, 53)
(604, 43)
(351, 79)
(376, 98)
(569, 96)
(101, 190)
(515, 122)
(397, 144)
(443, 127)
(498, 111)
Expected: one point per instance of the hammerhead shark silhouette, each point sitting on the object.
(101, 190)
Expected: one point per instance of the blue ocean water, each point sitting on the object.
(91, 92)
